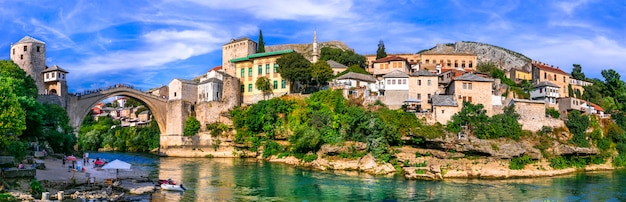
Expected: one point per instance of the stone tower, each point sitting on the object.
(54, 81)
(238, 48)
(316, 51)
(30, 54)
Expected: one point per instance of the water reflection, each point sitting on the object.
(224, 179)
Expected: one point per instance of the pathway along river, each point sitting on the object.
(232, 179)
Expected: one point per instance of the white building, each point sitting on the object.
(545, 91)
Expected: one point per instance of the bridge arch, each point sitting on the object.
(81, 105)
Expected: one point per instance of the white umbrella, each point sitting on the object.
(117, 165)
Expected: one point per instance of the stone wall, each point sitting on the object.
(52, 99)
(395, 98)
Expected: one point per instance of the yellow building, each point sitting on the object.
(254, 66)
(518, 75)
(389, 64)
(543, 72)
(449, 61)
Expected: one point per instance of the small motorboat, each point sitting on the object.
(168, 181)
(173, 187)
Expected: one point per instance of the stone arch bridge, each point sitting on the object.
(80, 105)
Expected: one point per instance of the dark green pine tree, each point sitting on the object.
(261, 46)
(380, 53)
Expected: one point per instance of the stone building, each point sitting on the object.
(162, 91)
(389, 64)
(543, 72)
(442, 61)
(395, 88)
(30, 54)
(356, 84)
(474, 89)
(236, 48)
(578, 85)
(422, 86)
(519, 75)
(337, 67)
(54, 81)
(444, 107)
(255, 66)
(370, 58)
(545, 91)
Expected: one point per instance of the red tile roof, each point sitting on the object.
(390, 58)
(216, 68)
(545, 67)
(596, 107)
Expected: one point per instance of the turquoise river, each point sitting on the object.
(232, 179)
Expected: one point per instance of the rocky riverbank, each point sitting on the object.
(58, 178)
(446, 158)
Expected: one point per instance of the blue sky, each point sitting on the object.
(149, 43)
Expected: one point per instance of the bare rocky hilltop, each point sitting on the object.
(485, 53)
(307, 49)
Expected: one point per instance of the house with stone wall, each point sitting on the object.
(547, 92)
(389, 64)
(356, 85)
(395, 88)
(543, 72)
(254, 66)
(422, 86)
(444, 107)
(473, 89)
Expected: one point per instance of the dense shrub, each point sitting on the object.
(577, 125)
(552, 112)
(518, 163)
(192, 126)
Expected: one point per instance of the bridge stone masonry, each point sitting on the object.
(80, 105)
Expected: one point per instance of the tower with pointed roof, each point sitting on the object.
(316, 52)
(30, 54)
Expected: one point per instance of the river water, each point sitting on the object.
(226, 179)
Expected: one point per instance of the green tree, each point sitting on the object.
(345, 57)
(12, 117)
(471, 115)
(355, 69)
(321, 72)
(486, 67)
(570, 91)
(380, 52)
(577, 72)
(261, 45)
(614, 85)
(192, 126)
(263, 84)
(22, 84)
(295, 68)
(577, 124)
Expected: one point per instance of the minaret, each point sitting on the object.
(316, 52)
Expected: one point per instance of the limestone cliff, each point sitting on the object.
(485, 53)
(307, 49)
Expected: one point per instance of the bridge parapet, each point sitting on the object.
(103, 91)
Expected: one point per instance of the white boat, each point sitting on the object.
(172, 187)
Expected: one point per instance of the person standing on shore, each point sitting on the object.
(64, 160)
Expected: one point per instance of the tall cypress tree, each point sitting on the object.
(380, 53)
(261, 46)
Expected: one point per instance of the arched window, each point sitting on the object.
(53, 92)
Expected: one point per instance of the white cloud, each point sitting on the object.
(570, 6)
(286, 9)
(162, 47)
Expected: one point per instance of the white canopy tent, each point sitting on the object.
(117, 165)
